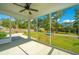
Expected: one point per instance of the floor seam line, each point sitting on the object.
(23, 50)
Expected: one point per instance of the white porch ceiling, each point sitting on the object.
(44, 8)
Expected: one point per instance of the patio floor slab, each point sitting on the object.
(12, 51)
(59, 52)
(35, 48)
(21, 46)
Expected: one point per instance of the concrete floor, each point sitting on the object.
(21, 46)
(35, 48)
(59, 52)
(12, 51)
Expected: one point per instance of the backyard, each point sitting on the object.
(65, 42)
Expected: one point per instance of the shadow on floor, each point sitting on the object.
(16, 41)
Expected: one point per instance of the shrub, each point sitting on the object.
(2, 35)
(25, 33)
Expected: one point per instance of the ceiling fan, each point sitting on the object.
(26, 7)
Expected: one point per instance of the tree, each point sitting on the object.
(21, 24)
(76, 23)
(57, 15)
(33, 24)
(6, 23)
(44, 22)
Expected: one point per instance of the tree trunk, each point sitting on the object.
(75, 31)
(78, 31)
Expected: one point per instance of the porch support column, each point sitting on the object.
(10, 29)
(37, 27)
(29, 37)
(50, 29)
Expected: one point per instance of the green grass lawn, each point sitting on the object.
(64, 42)
(67, 43)
(41, 37)
(67, 33)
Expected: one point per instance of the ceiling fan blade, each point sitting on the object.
(18, 5)
(22, 10)
(33, 9)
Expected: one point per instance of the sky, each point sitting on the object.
(3, 16)
(68, 16)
